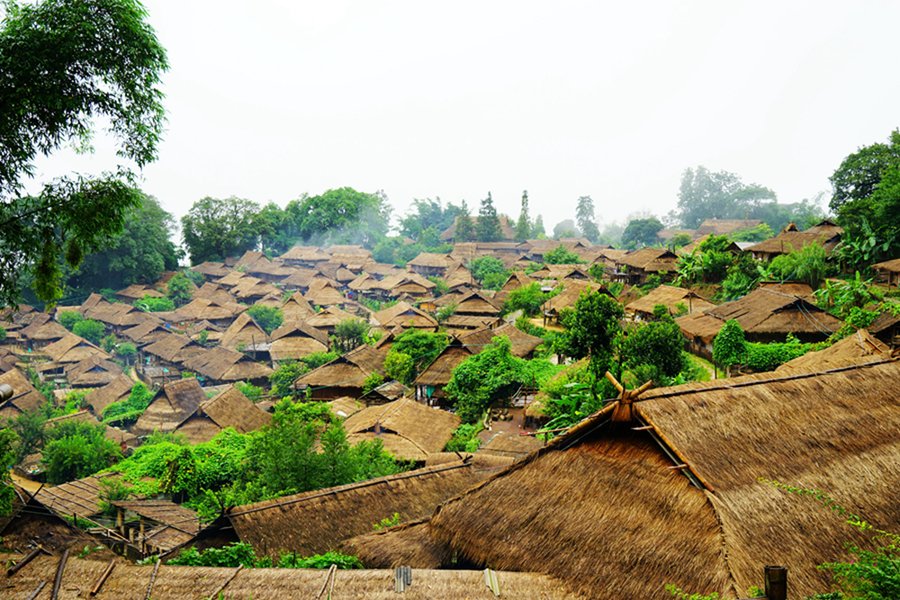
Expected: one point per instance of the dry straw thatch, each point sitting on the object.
(25, 397)
(228, 408)
(225, 366)
(670, 297)
(179, 583)
(80, 497)
(92, 372)
(402, 314)
(72, 349)
(118, 389)
(243, 332)
(318, 521)
(855, 349)
(523, 344)
(407, 429)
(621, 507)
(171, 406)
(404, 544)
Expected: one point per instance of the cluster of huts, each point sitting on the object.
(661, 488)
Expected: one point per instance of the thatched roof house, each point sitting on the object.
(172, 350)
(855, 349)
(228, 408)
(212, 270)
(80, 497)
(137, 292)
(157, 526)
(886, 327)
(146, 333)
(328, 319)
(662, 484)
(25, 397)
(384, 393)
(765, 315)
(171, 406)
(671, 297)
(178, 583)
(73, 349)
(202, 309)
(572, 291)
(522, 344)
(296, 308)
(725, 226)
(303, 256)
(888, 271)
(323, 292)
(296, 339)
(792, 240)
(344, 376)
(430, 382)
(635, 267)
(430, 263)
(118, 389)
(516, 280)
(43, 330)
(221, 365)
(82, 416)
(243, 332)
(92, 372)
(214, 293)
(403, 315)
(315, 522)
(562, 272)
(409, 430)
(409, 283)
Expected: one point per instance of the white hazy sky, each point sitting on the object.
(274, 98)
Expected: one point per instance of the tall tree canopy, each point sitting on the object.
(488, 227)
(523, 225)
(465, 231)
(63, 65)
(641, 232)
(584, 215)
(706, 195)
(141, 253)
(214, 229)
(344, 216)
(425, 214)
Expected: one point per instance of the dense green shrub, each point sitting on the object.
(75, 450)
(242, 553)
(155, 304)
(129, 410)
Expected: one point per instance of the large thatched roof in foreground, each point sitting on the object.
(683, 500)
(180, 583)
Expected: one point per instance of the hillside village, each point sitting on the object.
(321, 404)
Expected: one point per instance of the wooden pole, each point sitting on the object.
(28, 558)
(219, 589)
(103, 577)
(152, 579)
(57, 583)
(35, 593)
(776, 583)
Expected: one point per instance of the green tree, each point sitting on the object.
(90, 330)
(730, 347)
(592, 329)
(528, 299)
(488, 227)
(76, 449)
(809, 265)
(658, 344)
(562, 256)
(523, 225)
(344, 216)
(860, 175)
(285, 375)
(29, 429)
(63, 65)
(427, 214)
(537, 229)
(419, 347)
(705, 195)
(269, 318)
(565, 229)
(127, 351)
(215, 229)
(69, 318)
(465, 231)
(349, 334)
(585, 216)
(140, 253)
(641, 232)
(179, 289)
(8, 443)
(486, 265)
(155, 304)
(490, 376)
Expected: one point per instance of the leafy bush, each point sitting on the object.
(130, 409)
(400, 366)
(730, 345)
(155, 304)
(482, 267)
(349, 334)
(658, 343)
(253, 392)
(420, 347)
(372, 381)
(242, 553)
(76, 450)
(269, 318)
(179, 288)
(528, 299)
(768, 357)
(562, 256)
(90, 330)
(285, 375)
(69, 318)
(465, 439)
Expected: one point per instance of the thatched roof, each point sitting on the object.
(296, 308)
(523, 344)
(830, 431)
(176, 349)
(25, 397)
(386, 392)
(305, 254)
(476, 303)
(296, 340)
(93, 371)
(440, 371)
(200, 309)
(404, 315)
(243, 332)
(146, 333)
(432, 260)
(80, 497)
(404, 544)
(725, 226)
(324, 293)
(136, 292)
(215, 293)
(73, 348)
(793, 241)
(888, 266)
(763, 312)
(572, 290)
(118, 389)
(508, 445)
(222, 364)
(669, 296)
(650, 259)
(561, 272)
(43, 328)
(408, 429)
(170, 407)
(162, 511)
(212, 269)
(858, 348)
(349, 370)
(346, 406)
(178, 583)
(229, 408)
(328, 318)
(317, 521)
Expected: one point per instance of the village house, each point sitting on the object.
(792, 239)
(221, 365)
(344, 376)
(678, 300)
(117, 390)
(430, 264)
(228, 408)
(296, 339)
(635, 267)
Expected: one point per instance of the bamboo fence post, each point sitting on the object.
(152, 579)
(96, 589)
(57, 583)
